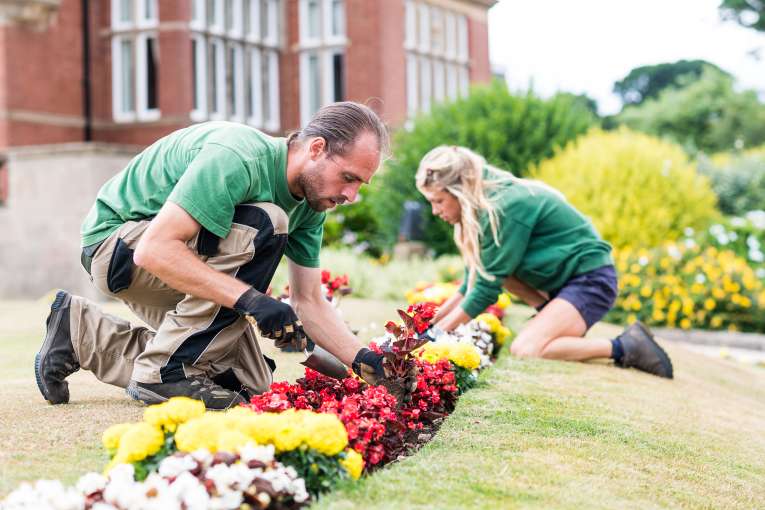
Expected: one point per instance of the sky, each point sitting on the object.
(584, 46)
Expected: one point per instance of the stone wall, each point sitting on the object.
(51, 189)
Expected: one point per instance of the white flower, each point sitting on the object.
(690, 243)
(204, 457)
(226, 501)
(90, 483)
(752, 242)
(263, 454)
(760, 272)
(688, 232)
(717, 230)
(172, 466)
(756, 256)
(757, 218)
(737, 222)
(190, 492)
(124, 473)
(674, 252)
(700, 278)
(43, 495)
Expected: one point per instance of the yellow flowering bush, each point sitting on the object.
(629, 184)
(686, 286)
(112, 436)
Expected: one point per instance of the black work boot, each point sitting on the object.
(196, 387)
(56, 360)
(642, 352)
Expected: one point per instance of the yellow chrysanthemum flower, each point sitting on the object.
(172, 413)
(139, 441)
(112, 435)
(353, 463)
(325, 433)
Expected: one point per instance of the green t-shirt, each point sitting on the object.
(207, 169)
(543, 241)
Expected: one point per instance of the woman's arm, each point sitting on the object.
(447, 306)
(454, 318)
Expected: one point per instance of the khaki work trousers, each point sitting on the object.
(186, 336)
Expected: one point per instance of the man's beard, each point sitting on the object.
(313, 190)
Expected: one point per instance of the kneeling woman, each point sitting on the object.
(525, 236)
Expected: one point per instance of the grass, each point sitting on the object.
(533, 434)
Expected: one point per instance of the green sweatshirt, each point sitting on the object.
(543, 241)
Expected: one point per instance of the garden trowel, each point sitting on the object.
(324, 362)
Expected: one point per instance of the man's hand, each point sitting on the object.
(275, 320)
(369, 366)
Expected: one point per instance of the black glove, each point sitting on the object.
(275, 320)
(369, 366)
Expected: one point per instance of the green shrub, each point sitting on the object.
(511, 131)
(707, 114)
(738, 180)
(355, 226)
(639, 191)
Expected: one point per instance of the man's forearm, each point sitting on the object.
(324, 326)
(177, 266)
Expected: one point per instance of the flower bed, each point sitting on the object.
(287, 445)
(683, 285)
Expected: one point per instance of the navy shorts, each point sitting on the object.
(592, 293)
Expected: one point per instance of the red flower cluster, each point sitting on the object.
(337, 284)
(376, 429)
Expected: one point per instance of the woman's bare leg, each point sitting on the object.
(557, 333)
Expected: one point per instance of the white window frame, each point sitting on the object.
(410, 25)
(143, 111)
(237, 30)
(272, 40)
(436, 43)
(117, 23)
(254, 34)
(118, 93)
(412, 89)
(272, 123)
(200, 58)
(141, 15)
(200, 8)
(329, 36)
(423, 27)
(219, 27)
(248, 83)
(238, 113)
(325, 47)
(462, 39)
(218, 46)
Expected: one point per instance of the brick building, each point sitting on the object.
(106, 77)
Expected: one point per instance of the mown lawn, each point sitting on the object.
(534, 434)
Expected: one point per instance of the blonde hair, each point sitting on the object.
(459, 171)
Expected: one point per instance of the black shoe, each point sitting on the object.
(197, 387)
(228, 380)
(642, 352)
(56, 360)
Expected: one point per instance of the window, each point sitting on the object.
(135, 60)
(235, 55)
(436, 44)
(322, 54)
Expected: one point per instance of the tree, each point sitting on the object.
(748, 13)
(707, 114)
(647, 82)
(511, 131)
